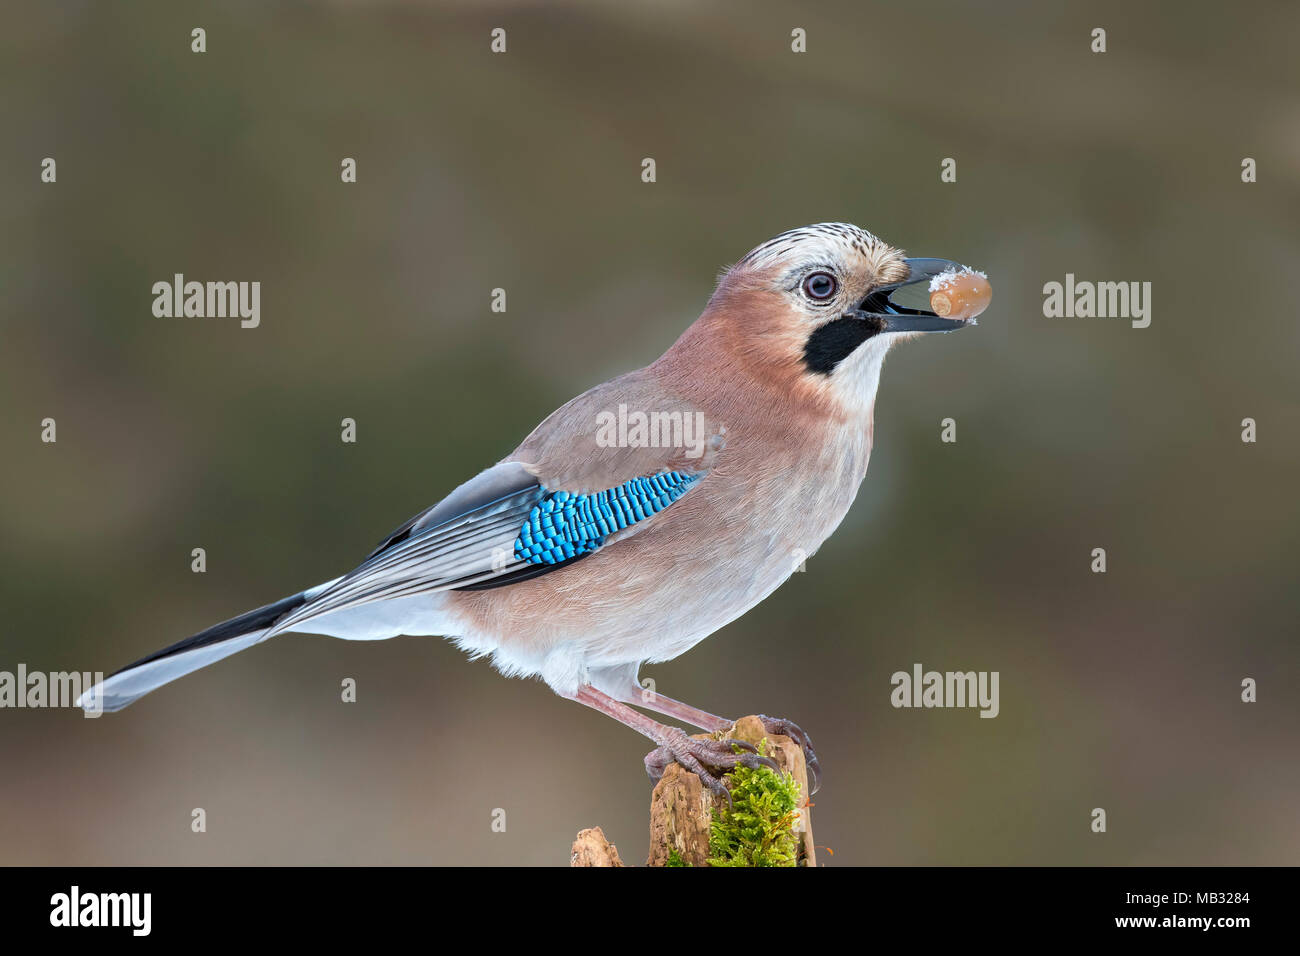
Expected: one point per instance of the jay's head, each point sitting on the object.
(815, 309)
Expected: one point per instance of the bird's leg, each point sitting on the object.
(700, 718)
(653, 700)
(626, 690)
(775, 726)
(704, 758)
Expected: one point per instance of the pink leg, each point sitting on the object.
(700, 757)
(676, 709)
(632, 693)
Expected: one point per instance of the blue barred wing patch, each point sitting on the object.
(564, 525)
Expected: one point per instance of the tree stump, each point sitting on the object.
(592, 849)
(681, 808)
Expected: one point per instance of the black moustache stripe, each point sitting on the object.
(835, 341)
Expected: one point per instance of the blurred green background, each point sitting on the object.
(522, 171)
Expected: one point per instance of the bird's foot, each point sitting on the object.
(707, 759)
(788, 728)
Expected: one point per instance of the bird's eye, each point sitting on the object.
(820, 285)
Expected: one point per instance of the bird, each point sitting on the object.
(646, 513)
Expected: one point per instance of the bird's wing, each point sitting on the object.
(595, 471)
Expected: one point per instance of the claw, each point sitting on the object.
(742, 744)
(705, 758)
(788, 728)
(711, 759)
(751, 758)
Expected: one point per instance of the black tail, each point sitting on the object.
(148, 673)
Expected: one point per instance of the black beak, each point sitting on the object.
(879, 307)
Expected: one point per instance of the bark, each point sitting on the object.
(592, 849)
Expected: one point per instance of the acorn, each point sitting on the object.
(960, 295)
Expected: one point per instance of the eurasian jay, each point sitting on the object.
(647, 512)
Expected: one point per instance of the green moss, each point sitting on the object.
(675, 858)
(758, 828)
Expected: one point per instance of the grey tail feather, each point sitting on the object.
(207, 647)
